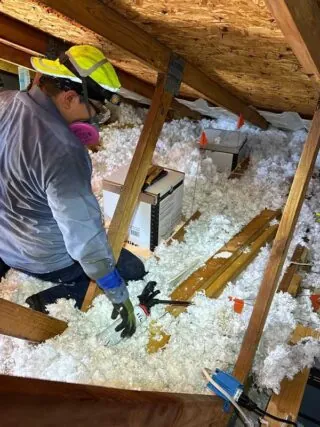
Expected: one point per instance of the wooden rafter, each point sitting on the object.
(105, 21)
(279, 251)
(300, 23)
(33, 41)
(28, 402)
(14, 56)
(140, 164)
(21, 322)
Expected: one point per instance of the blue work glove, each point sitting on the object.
(116, 290)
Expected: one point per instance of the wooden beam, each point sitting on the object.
(300, 23)
(105, 21)
(21, 322)
(241, 263)
(140, 164)
(217, 272)
(20, 34)
(28, 402)
(25, 37)
(138, 170)
(279, 251)
(15, 56)
(215, 266)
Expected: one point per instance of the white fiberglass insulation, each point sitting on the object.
(209, 334)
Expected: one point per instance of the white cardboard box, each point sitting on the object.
(226, 148)
(158, 211)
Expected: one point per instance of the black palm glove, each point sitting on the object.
(128, 324)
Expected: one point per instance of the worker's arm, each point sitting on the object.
(78, 216)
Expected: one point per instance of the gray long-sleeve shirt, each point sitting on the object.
(48, 213)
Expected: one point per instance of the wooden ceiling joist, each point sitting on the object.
(14, 56)
(106, 22)
(300, 23)
(28, 39)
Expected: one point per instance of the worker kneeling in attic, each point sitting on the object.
(50, 221)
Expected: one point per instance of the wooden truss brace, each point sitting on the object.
(17, 36)
(279, 251)
(15, 56)
(300, 23)
(105, 21)
(52, 403)
(21, 322)
(168, 84)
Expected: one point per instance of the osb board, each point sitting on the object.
(39, 16)
(234, 41)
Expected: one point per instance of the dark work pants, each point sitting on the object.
(73, 282)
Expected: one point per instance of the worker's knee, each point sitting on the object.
(130, 266)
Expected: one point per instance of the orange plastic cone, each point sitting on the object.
(240, 121)
(238, 304)
(203, 140)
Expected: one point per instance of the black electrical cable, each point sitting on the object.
(266, 414)
(249, 404)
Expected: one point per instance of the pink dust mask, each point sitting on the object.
(87, 133)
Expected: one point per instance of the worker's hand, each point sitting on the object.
(128, 324)
(116, 290)
(114, 287)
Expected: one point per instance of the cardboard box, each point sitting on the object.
(158, 211)
(226, 148)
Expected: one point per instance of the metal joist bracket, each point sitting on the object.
(174, 74)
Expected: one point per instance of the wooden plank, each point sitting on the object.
(21, 322)
(226, 270)
(139, 166)
(105, 21)
(287, 404)
(295, 284)
(15, 56)
(279, 251)
(241, 263)
(300, 255)
(300, 23)
(52, 403)
(137, 173)
(214, 267)
(22, 35)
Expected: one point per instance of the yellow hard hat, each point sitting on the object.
(88, 61)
